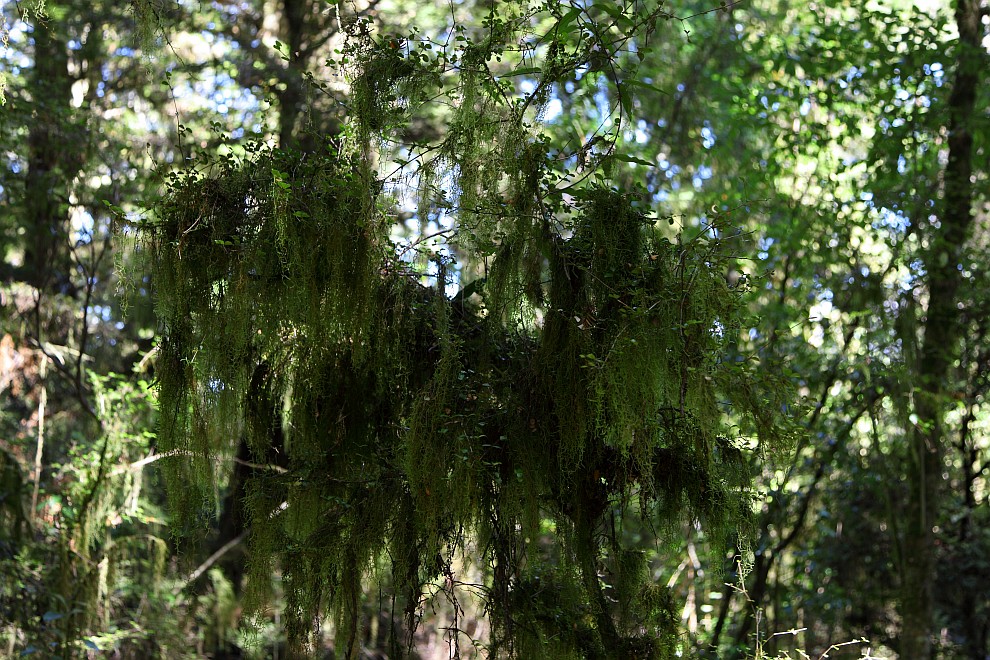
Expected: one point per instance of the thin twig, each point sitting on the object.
(212, 559)
(147, 460)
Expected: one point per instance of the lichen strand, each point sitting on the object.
(394, 426)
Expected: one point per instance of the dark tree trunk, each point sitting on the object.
(291, 98)
(942, 332)
(54, 156)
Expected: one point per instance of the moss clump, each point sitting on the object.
(389, 424)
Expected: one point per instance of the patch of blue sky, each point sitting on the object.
(83, 225)
(908, 281)
(603, 102)
(553, 109)
(453, 272)
(937, 72)
(224, 95)
(702, 174)
(891, 220)
(642, 132)
(707, 136)
(17, 57)
(102, 312)
(885, 124)
(765, 102)
(763, 245)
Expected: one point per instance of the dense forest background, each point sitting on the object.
(469, 234)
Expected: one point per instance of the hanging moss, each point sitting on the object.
(396, 426)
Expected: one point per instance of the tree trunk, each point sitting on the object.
(290, 99)
(52, 150)
(942, 332)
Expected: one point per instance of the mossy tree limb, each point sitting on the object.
(587, 375)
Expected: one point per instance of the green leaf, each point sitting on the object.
(645, 85)
(624, 98)
(613, 10)
(634, 159)
(568, 18)
(524, 71)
